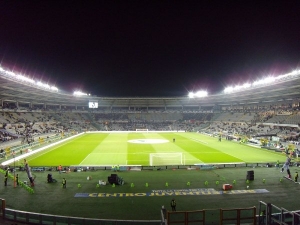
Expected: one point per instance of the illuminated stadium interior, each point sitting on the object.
(269, 106)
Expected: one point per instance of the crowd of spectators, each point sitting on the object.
(229, 120)
(5, 136)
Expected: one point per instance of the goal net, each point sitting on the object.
(141, 130)
(160, 159)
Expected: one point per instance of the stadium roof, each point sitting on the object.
(18, 91)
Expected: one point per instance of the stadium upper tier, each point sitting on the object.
(12, 90)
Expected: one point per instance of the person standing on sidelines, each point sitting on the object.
(5, 178)
(296, 177)
(64, 183)
(173, 205)
(17, 179)
(297, 153)
(286, 166)
(59, 168)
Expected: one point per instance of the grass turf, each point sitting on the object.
(114, 149)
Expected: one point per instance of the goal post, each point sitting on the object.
(160, 159)
(141, 130)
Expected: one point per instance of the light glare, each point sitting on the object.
(28, 80)
(79, 93)
(265, 81)
(198, 94)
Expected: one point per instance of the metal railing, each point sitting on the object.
(273, 215)
(213, 216)
(48, 219)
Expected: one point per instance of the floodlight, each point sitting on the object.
(293, 73)
(26, 79)
(264, 81)
(246, 85)
(228, 90)
(269, 80)
(198, 94)
(23, 78)
(79, 93)
(237, 87)
(39, 83)
(191, 95)
(10, 73)
(53, 88)
(30, 81)
(201, 94)
(47, 86)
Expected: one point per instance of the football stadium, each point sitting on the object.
(73, 158)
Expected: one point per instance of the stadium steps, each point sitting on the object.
(56, 117)
(92, 120)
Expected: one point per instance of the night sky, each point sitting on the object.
(149, 48)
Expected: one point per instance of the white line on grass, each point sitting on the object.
(50, 150)
(197, 140)
(45, 152)
(86, 157)
(39, 150)
(126, 153)
(218, 163)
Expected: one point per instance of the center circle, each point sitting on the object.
(148, 141)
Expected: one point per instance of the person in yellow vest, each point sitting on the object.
(64, 183)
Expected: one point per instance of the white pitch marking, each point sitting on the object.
(197, 140)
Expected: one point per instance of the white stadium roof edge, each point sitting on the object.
(13, 90)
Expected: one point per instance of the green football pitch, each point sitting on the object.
(145, 149)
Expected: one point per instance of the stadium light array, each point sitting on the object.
(198, 94)
(262, 82)
(25, 79)
(79, 93)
